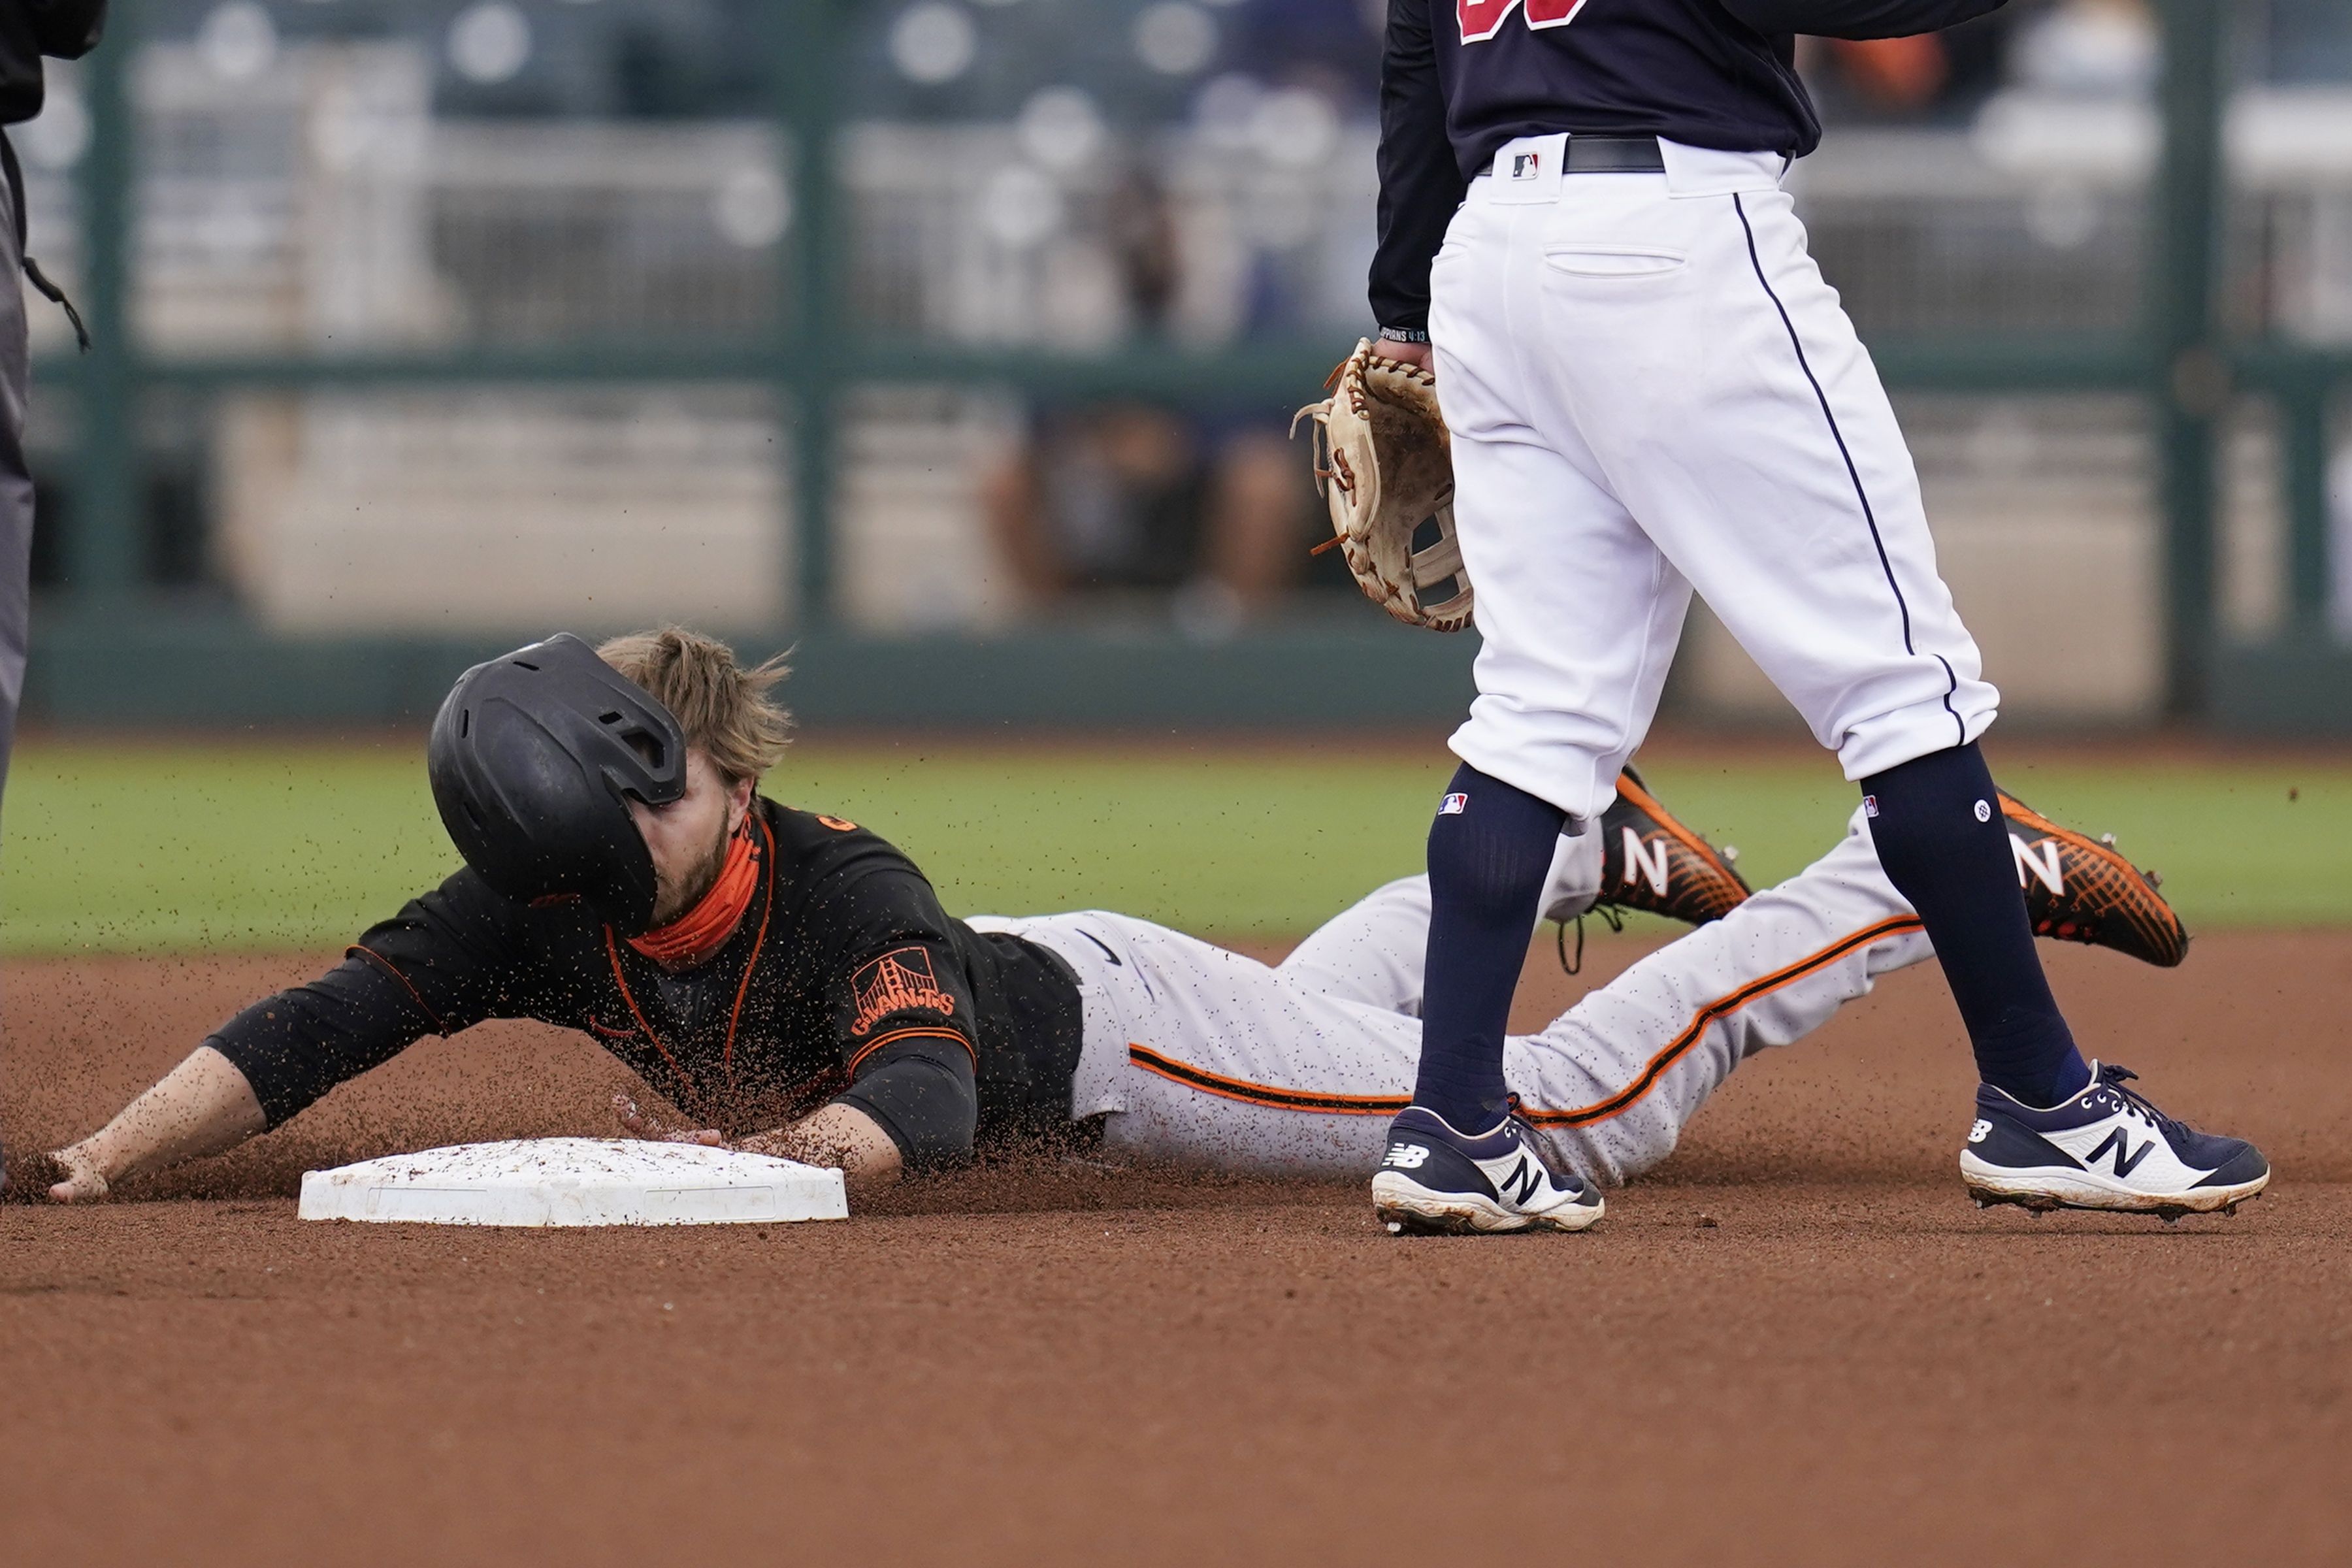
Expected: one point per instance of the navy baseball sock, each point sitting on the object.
(1488, 851)
(1937, 825)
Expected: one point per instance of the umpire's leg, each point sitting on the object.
(15, 480)
(16, 484)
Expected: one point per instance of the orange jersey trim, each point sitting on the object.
(1250, 1093)
(1730, 1001)
(735, 1016)
(613, 951)
(743, 986)
(870, 1046)
(439, 1027)
(1319, 1103)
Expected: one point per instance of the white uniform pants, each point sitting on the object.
(1651, 389)
(1203, 1056)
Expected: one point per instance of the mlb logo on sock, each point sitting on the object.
(1870, 806)
(1453, 805)
(1526, 165)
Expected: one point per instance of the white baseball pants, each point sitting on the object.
(1204, 1057)
(1652, 390)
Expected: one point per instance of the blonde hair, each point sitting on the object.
(723, 708)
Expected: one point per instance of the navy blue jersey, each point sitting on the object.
(1461, 77)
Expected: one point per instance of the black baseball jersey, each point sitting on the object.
(1461, 77)
(842, 966)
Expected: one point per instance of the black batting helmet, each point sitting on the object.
(534, 758)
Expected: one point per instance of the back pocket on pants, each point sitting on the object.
(1594, 259)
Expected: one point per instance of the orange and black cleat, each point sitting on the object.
(2078, 889)
(1654, 863)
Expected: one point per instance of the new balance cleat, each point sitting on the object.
(2079, 888)
(2104, 1148)
(1436, 1180)
(1651, 862)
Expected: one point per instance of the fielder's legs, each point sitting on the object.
(1204, 1057)
(1668, 333)
(1768, 465)
(1611, 1083)
(1569, 676)
(1771, 970)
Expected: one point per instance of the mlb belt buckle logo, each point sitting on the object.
(1527, 172)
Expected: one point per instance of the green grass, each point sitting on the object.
(166, 847)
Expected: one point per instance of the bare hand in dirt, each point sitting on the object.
(836, 1135)
(780, 1143)
(638, 1123)
(73, 1177)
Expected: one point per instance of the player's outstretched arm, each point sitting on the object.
(437, 967)
(836, 1135)
(204, 1106)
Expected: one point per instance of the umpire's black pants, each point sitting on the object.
(15, 478)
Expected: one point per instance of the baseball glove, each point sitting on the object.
(1384, 466)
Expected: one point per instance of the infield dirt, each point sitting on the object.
(1795, 1343)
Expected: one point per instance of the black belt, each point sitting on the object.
(1610, 155)
(1614, 155)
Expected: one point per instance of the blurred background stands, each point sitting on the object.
(428, 324)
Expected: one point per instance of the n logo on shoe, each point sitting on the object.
(1525, 1177)
(2044, 868)
(1406, 1156)
(1645, 867)
(2126, 1160)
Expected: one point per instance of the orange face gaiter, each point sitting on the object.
(703, 930)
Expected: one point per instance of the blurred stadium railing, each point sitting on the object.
(423, 325)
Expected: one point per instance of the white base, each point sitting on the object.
(575, 1181)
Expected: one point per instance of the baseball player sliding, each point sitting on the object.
(790, 981)
(1649, 390)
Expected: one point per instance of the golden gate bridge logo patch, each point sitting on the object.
(900, 979)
